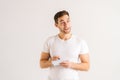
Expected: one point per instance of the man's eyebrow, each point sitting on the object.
(61, 20)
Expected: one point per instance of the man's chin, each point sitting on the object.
(67, 32)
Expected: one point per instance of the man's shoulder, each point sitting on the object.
(78, 38)
(51, 38)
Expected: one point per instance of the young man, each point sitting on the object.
(65, 54)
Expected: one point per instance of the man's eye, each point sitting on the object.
(61, 23)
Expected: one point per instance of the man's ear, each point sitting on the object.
(55, 24)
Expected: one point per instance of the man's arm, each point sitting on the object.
(83, 66)
(45, 61)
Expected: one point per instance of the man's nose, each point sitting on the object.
(66, 25)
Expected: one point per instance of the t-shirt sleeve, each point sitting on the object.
(46, 47)
(84, 47)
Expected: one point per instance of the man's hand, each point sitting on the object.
(66, 64)
(55, 58)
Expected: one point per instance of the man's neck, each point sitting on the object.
(65, 36)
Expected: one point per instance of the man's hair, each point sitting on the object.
(60, 14)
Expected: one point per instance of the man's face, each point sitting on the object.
(64, 24)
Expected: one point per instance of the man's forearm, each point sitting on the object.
(80, 66)
(45, 64)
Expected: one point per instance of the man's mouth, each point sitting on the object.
(67, 29)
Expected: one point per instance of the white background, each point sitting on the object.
(25, 25)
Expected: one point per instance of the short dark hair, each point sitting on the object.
(60, 14)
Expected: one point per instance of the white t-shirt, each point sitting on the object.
(67, 50)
